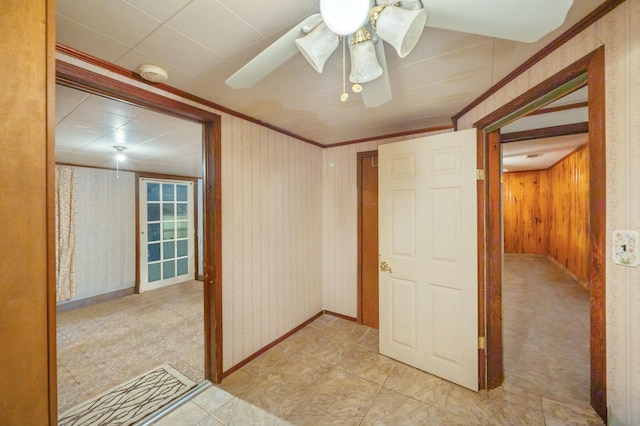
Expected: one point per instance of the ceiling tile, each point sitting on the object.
(87, 127)
(112, 106)
(215, 27)
(68, 138)
(271, 17)
(97, 117)
(179, 51)
(445, 67)
(79, 37)
(115, 18)
(160, 9)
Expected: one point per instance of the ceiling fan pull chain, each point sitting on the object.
(357, 38)
(345, 96)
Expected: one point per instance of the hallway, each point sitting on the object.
(330, 371)
(546, 329)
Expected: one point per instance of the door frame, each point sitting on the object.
(79, 78)
(593, 65)
(360, 157)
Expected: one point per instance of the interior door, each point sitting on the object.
(166, 233)
(428, 254)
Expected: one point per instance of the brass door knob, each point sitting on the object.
(384, 267)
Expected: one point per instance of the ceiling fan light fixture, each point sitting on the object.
(364, 62)
(399, 27)
(345, 17)
(318, 45)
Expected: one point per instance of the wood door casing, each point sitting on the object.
(593, 65)
(368, 238)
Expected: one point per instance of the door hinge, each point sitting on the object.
(479, 174)
(482, 343)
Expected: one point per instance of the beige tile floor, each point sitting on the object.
(330, 372)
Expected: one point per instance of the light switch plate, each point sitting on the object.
(625, 248)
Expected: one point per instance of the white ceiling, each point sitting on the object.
(202, 42)
(89, 126)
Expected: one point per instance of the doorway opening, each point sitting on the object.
(587, 71)
(368, 312)
(545, 287)
(87, 81)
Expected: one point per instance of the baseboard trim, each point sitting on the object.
(271, 345)
(75, 304)
(568, 272)
(344, 317)
(285, 336)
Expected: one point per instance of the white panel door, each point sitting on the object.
(428, 239)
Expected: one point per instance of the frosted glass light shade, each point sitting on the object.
(364, 63)
(345, 17)
(401, 28)
(318, 45)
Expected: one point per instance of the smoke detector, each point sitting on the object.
(153, 73)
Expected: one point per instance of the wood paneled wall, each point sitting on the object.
(26, 175)
(271, 236)
(546, 212)
(526, 214)
(569, 213)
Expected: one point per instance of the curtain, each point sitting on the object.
(65, 212)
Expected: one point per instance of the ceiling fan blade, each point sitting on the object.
(279, 52)
(518, 20)
(378, 91)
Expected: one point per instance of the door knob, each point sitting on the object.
(384, 267)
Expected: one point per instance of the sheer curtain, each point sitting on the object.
(65, 212)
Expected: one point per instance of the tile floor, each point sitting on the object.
(330, 372)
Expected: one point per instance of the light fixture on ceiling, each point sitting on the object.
(119, 157)
(364, 63)
(399, 27)
(532, 156)
(318, 45)
(345, 17)
(400, 24)
(153, 73)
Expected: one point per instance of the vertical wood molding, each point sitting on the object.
(597, 237)
(212, 246)
(51, 234)
(495, 346)
(27, 257)
(482, 249)
(360, 157)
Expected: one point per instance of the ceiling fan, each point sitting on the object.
(363, 25)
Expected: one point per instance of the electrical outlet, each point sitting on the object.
(625, 248)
